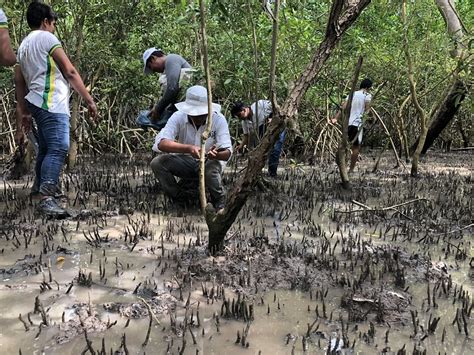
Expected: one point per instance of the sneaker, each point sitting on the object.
(50, 208)
(35, 194)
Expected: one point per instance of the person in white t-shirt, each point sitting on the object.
(180, 140)
(253, 118)
(42, 89)
(360, 105)
(7, 55)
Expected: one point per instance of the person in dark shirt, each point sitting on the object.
(171, 65)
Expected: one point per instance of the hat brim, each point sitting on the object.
(146, 56)
(147, 70)
(196, 110)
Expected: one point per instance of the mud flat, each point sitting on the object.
(385, 268)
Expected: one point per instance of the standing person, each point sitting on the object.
(360, 104)
(42, 89)
(171, 65)
(7, 55)
(180, 140)
(253, 124)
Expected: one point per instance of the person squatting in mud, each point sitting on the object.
(254, 119)
(42, 90)
(179, 141)
(361, 102)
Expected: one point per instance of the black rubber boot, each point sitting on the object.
(49, 207)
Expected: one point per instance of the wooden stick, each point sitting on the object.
(461, 149)
(389, 137)
(386, 208)
(370, 209)
(376, 166)
(205, 134)
(149, 309)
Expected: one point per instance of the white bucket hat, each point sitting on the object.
(146, 55)
(196, 102)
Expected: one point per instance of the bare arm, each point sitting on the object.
(219, 154)
(338, 114)
(368, 108)
(23, 116)
(20, 88)
(72, 75)
(170, 146)
(7, 55)
(245, 141)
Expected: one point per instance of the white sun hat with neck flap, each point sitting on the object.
(195, 103)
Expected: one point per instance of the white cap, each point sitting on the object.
(196, 102)
(146, 55)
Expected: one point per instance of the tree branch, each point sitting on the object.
(205, 134)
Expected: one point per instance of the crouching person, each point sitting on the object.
(180, 141)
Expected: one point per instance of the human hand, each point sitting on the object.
(370, 117)
(213, 152)
(92, 108)
(332, 121)
(24, 122)
(195, 151)
(154, 114)
(241, 148)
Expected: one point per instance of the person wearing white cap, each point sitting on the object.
(181, 139)
(155, 61)
(7, 56)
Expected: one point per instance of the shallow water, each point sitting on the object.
(282, 220)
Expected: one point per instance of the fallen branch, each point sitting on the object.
(367, 208)
(149, 310)
(370, 209)
(456, 230)
(461, 149)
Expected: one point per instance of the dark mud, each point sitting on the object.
(384, 268)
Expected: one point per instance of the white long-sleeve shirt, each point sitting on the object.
(180, 128)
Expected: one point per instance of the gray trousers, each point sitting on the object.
(168, 166)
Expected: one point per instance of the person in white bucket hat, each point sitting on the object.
(180, 141)
(156, 61)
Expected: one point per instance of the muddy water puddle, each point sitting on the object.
(295, 254)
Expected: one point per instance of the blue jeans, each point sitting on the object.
(274, 156)
(53, 146)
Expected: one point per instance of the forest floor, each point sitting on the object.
(384, 268)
